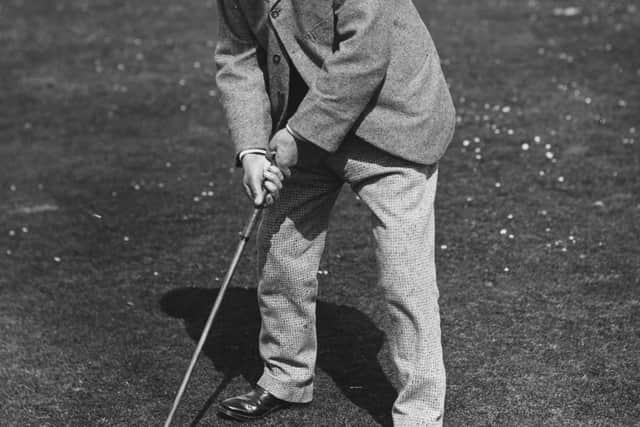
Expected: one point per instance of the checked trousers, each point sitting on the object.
(400, 195)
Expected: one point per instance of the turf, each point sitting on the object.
(120, 209)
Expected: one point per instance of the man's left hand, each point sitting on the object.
(285, 150)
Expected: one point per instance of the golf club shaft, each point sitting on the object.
(244, 236)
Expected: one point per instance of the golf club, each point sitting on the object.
(244, 237)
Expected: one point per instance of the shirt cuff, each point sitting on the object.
(249, 151)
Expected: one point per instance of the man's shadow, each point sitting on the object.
(348, 344)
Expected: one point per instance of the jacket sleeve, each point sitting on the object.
(351, 76)
(240, 80)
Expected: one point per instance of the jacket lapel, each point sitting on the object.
(272, 3)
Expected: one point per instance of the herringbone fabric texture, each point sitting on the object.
(400, 195)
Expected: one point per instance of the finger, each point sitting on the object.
(257, 192)
(258, 200)
(286, 171)
(269, 200)
(273, 179)
(272, 189)
(275, 170)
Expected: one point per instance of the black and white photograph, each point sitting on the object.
(398, 213)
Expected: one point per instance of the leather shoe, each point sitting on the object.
(251, 406)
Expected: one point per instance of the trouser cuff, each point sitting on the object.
(403, 421)
(286, 391)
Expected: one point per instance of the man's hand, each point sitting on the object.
(285, 150)
(262, 181)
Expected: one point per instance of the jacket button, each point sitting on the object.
(276, 59)
(275, 13)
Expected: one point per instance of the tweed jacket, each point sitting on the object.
(371, 67)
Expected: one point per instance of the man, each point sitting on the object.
(337, 91)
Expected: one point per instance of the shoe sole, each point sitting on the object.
(238, 416)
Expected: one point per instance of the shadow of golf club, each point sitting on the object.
(348, 344)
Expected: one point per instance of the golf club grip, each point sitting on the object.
(244, 237)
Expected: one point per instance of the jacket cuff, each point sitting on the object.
(321, 127)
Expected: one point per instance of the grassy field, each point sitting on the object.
(120, 207)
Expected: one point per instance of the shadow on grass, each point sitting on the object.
(348, 344)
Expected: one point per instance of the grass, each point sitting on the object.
(120, 206)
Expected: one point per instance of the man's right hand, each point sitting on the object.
(262, 181)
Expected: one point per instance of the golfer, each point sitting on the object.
(318, 93)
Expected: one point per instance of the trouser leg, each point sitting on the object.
(290, 243)
(401, 195)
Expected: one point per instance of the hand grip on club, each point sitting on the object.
(271, 157)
